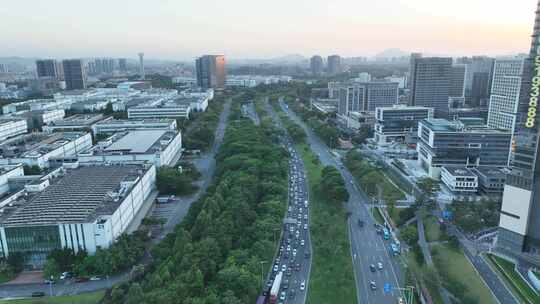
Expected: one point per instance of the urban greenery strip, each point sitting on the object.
(215, 254)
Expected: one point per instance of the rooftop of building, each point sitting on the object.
(404, 107)
(112, 121)
(80, 196)
(459, 171)
(7, 120)
(79, 119)
(7, 168)
(179, 102)
(461, 125)
(36, 144)
(134, 142)
(490, 171)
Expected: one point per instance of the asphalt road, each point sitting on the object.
(368, 248)
(294, 255)
(206, 164)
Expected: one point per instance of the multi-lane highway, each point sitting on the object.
(294, 255)
(367, 246)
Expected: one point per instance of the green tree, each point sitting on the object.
(409, 234)
(135, 294)
(51, 269)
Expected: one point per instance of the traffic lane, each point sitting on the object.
(371, 255)
(356, 195)
(299, 277)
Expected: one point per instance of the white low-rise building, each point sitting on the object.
(159, 147)
(37, 148)
(163, 109)
(111, 125)
(7, 172)
(459, 179)
(86, 209)
(10, 127)
(77, 122)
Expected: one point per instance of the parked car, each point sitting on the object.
(372, 268)
(38, 294)
(95, 278)
(81, 279)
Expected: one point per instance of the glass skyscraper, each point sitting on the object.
(520, 213)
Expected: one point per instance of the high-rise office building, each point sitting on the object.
(210, 71)
(334, 64)
(141, 65)
(316, 65)
(98, 66)
(74, 74)
(430, 83)
(457, 80)
(366, 97)
(47, 68)
(122, 64)
(478, 80)
(412, 61)
(504, 99)
(519, 224)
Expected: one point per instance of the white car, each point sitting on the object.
(379, 265)
(294, 252)
(282, 296)
(305, 216)
(305, 226)
(302, 243)
(283, 267)
(303, 285)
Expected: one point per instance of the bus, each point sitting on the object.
(386, 234)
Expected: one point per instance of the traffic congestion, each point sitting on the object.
(288, 279)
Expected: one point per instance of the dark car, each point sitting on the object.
(285, 284)
(38, 294)
(297, 267)
(81, 279)
(292, 293)
(307, 254)
(372, 268)
(360, 223)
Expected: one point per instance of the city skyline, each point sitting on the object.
(181, 31)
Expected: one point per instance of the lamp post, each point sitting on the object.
(50, 286)
(262, 267)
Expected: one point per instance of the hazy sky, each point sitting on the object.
(182, 29)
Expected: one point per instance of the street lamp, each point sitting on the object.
(50, 286)
(262, 267)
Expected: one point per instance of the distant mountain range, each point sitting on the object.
(389, 53)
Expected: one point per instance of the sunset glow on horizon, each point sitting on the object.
(177, 30)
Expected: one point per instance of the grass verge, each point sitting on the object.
(459, 276)
(83, 298)
(331, 279)
(520, 288)
(377, 215)
(433, 231)
(414, 269)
